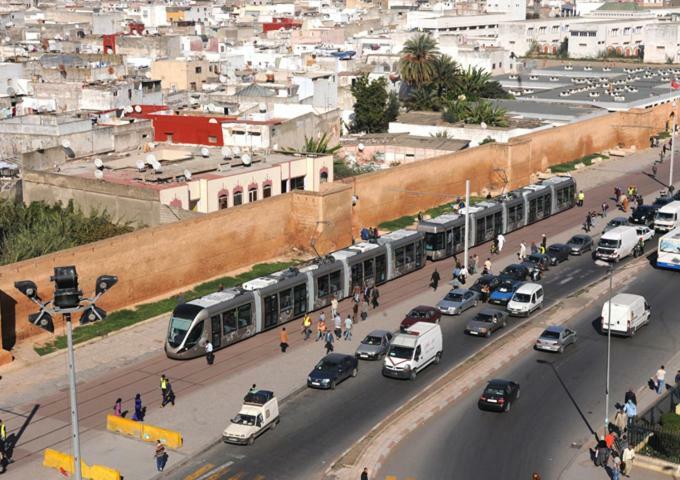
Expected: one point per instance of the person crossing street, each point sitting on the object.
(307, 326)
(434, 280)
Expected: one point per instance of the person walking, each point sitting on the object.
(544, 242)
(605, 209)
(283, 337)
(660, 380)
(320, 328)
(328, 342)
(139, 409)
(627, 458)
(364, 310)
(209, 355)
(364, 474)
(487, 267)
(334, 306)
(160, 455)
(615, 466)
(434, 280)
(3, 437)
(169, 394)
(654, 170)
(463, 274)
(501, 241)
(580, 198)
(474, 262)
(588, 224)
(375, 296)
(118, 408)
(307, 326)
(337, 325)
(348, 328)
(356, 299)
(164, 389)
(485, 292)
(534, 248)
(541, 249)
(522, 251)
(630, 395)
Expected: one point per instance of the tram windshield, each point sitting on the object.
(242, 419)
(180, 323)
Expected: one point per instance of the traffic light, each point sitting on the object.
(42, 320)
(92, 314)
(66, 293)
(28, 288)
(104, 282)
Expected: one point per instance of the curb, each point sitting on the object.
(657, 465)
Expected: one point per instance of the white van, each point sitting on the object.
(629, 313)
(259, 413)
(617, 243)
(413, 350)
(667, 217)
(526, 299)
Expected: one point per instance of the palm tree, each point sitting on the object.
(456, 110)
(422, 98)
(315, 145)
(446, 73)
(417, 58)
(484, 111)
(472, 82)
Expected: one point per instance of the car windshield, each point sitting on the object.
(242, 419)
(668, 245)
(550, 334)
(521, 297)
(554, 249)
(454, 297)
(484, 317)
(664, 215)
(178, 329)
(371, 340)
(609, 243)
(325, 365)
(577, 240)
(494, 391)
(534, 258)
(397, 351)
(417, 314)
(505, 287)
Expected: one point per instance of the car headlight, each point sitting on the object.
(309, 379)
(482, 330)
(326, 380)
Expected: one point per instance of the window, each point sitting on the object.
(297, 183)
(542, 30)
(252, 194)
(229, 322)
(194, 336)
(530, 30)
(284, 186)
(285, 300)
(245, 316)
(555, 29)
(266, 191)
(192, 85)
(357, 274)
(400, 257)
(300, 299)
(323, 286)
(238, 198)
(368, 270)
(323, 177)
(626, 31)
(271, 310)
(212, 139)
(335, 281)
(223, 201)
(199, 69)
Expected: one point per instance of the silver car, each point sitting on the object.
(457, 301)
(555, 339)
(374, 346)
(487, 321)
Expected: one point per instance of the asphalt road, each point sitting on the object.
(538, 433)
(317, 426)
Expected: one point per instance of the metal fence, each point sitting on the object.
(657, 440)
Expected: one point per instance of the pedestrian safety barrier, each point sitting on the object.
(65, 463)
(143, 431)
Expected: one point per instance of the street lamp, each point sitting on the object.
(670, 173)
(68, 299)
(610, 271)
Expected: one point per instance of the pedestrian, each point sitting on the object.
(334, 306)
(662, 155)
(485, 292)
(654, 170)
(209, 355)
(615, 466)
(624, 203)
(601, 454)
(660, 380)
(164, 389)
(139, 409)
(118, 408)
(544, 242)
(337, 325)
(253, 389)
(630, 410)
(3, 437)
(609, 440)
(283, 337)
(541, 249)
(307, 326)
(364, 474)
(348, 328)
(364, 310)
(533, 248)
(675, 391)
(328, 342)
(630, 395)
(456, 272)
(161, 456)
(588, 223)
(375, 295)
(170, 395)
(367, 294)
(463, 274)
(627, 458)
(620, 420)
(220, 288)
(535, 476)
(474, 261)
(355, 306)
(487, 267)
(320, 328)
(522, 251)
(605, 209)
(580, 198)
(434, 279)
(501, 242)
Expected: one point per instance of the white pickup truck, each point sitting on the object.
(259, 413)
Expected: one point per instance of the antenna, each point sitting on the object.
(246, 159)
(205, 153)
(187, 174)
(98, 163)
(98, 174)
(138, 109)
(141, 166)
(226, 152)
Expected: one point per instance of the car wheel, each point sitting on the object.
(561, 349)
(487, 334)
(438, 358)
(251, 440)
(476, 303)
(518, 392)
(275, 423)
(413, 375)
(507, 406)
(333, 385)
(355, 372)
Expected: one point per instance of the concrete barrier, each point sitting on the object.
(65, 463)
(143, 431)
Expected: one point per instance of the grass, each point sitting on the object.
(569, 166)
(664, 134)
(408, 220)
(124, 318)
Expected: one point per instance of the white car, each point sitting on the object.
(645, 232)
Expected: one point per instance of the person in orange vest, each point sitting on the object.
(283, 336)
(320, 328)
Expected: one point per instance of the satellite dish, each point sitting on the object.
(98, 163)
(276, 146)
(11, 92)
(141, 166)
(187, 174)
(138, 109)
(246, 159)
(128, 109)
(483, 125)
(226, 152)
(263, 108)
(156, 167)
(212, 120)
(361, 147)
(98, 174)
(205, 152)
(223, 79)
(237, 151)
(66, 144)
(150, 158)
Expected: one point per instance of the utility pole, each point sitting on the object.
(467, 221)
(74, 402)
(670, 174)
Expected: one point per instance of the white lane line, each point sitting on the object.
(215, 470)
(566, 280)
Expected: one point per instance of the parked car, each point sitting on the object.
(616, 222)
(558, 253)
(580, 244)
(499, 395)
(259, 413)
(491, 280)
(516, 271)
(527, 299)
(644, 215)
(374, 345)
(541, 260)
(422, 313)
(504, 291)
(555, 339)
(458, 300)
(486, 322)
(662, 200)
(645, 232)
(333, 369)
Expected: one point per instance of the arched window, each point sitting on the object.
(323, 177)
(252, 194)
(266, 190)
(238, 196)
(223, 201)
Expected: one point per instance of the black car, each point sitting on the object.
(541, 260)
(662, 200)
(580, 244)
(644, 215)
(499, 395)
(491, 280)
(558, 253)
(333, 369)
(517, 271)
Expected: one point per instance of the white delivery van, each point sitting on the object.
(526, 299)
(259, 413)
(413, 350)
(617, 243)
(629, 313)
(667, 217)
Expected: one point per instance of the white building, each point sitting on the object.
(546, 34)
(620, 37)
(154, 15)
(662, 42)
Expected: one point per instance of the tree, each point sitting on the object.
(316, 145)
(456, 110)
(392, 109)
(422, 98)
(563, 51)
(484, 111)
(417, 58)
(446, 73)
(370, 106)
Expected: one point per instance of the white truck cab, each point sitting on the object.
(526, 299)
(259, 413)
(667, 217)
(629, 312)
(616, 244)
(413, 350)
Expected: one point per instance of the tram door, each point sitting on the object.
(216, 330)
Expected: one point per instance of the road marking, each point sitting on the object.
(199, 472)
(238, 476)
(390, 477)
(566, 280)
(211, 474)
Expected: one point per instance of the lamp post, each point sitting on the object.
(670, 173)
(610, 269)
(467, 221)
(68, 299)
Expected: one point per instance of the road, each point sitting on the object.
(543, 426)
(317, 426)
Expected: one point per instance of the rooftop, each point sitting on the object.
(406, 140)
(435, 118)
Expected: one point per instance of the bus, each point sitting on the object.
(668, 254)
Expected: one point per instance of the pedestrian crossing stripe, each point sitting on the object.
(199, 472)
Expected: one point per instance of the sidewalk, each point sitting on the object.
(124, 364)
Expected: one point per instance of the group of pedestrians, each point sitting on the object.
(140, 410)
(613, 451)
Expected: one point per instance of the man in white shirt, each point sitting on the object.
(660, 380)
(501, 242)
(522, 251)
(210, 358)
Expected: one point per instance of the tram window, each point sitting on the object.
(194, 335)
(380, 269)
(488, 230)
(357, 274)
(479, 230)
(322, 286)
(228, 322)
(498, 222)
(457, 235)
(419, 254)
(285, 300)
(399, 257)
(245, 318)
(430, 241)
(410, 253)
(368, 269)
(271, 310)
(300, 299)
(335, 281)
